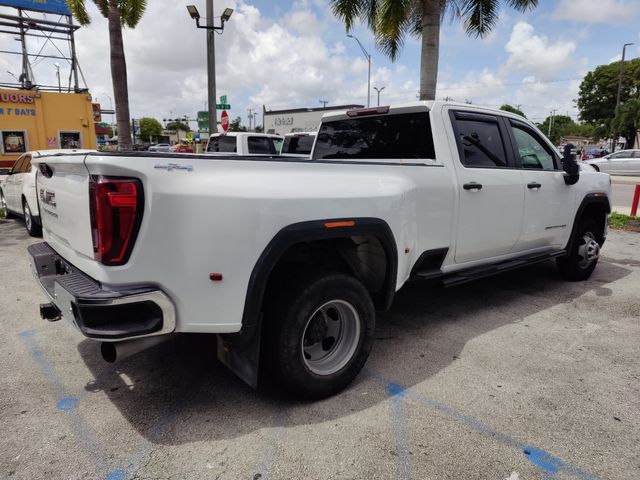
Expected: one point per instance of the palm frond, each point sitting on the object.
(523, 5)
(131, 11)
(394, 20)
(103, 6)
(348, 11)
(79, 10)
(480, 16)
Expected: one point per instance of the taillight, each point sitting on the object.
(116, 213)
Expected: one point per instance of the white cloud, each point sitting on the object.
(536, 55)
(596, 11)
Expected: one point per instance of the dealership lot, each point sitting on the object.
(520, 376)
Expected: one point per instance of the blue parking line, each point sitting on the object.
(67, 404)
(401, 432)
(544, 461)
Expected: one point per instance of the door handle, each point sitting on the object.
(472, 186)
(533, 185)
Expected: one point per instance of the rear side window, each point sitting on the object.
(390, 136)
(300, 144)
(26, 164)
(223, 143)
(263, 145)
(480, 143)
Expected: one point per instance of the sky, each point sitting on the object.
(293, 54)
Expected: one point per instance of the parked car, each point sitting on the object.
(160, 147)
(298, 144)
(18, 195)
(287, 259)
(182, 148)
(624, 162)
(244, 143)
(590, 153)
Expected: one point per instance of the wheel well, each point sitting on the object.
(598, 212)
(361, 256)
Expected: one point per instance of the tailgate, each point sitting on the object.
(63, 195)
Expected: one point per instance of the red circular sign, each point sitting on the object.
(224, 120)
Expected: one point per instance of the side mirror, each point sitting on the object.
(570, 165)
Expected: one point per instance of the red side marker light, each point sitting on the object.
(215, 277)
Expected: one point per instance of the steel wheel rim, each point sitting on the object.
(330, 338)
(588, 251)
(27, 216)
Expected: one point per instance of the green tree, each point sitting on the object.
(118, 13)
(235, 125)
(599, 88)
(392, 20)
(176, 125)
(565, 126)
(509, 108)
(150, 127)
(628, 121)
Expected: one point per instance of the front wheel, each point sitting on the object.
(3, 205)
(323, 334)
(581, 261)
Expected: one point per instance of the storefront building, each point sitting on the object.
(34, 120)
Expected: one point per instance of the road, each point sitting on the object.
(622, 189)
(521, 376)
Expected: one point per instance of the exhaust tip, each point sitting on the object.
(109, 352)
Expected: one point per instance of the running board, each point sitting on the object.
(475, 273)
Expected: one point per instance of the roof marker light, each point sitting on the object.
(349, 223)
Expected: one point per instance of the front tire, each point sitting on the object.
(29, 222)
(581, 261)
(322, 335)
(3, 204)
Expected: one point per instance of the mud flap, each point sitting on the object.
(240, 353)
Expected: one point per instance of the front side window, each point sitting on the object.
(222, 143)
(14, 142)
(619, 155)
(531, 151)
(70, 140)
(17, 167)
(399, 136)
(480, 143)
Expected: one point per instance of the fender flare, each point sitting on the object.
(589, 199)
(317, 230)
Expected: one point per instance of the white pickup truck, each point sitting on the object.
(244, 143)
(287, 259)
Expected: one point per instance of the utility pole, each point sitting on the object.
(553, 113)
(211, 70)
(251, 114)
(615, 133)
(324, 103)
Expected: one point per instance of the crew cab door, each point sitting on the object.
(490, 187)
(548, 200)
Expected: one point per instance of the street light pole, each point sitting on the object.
(368, 57)
(57, 65)
(379, 90)
(211, 70)
(624, 49)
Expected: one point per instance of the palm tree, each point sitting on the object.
(391, 21)
(118, 13)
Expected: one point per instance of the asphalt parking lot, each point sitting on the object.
(521, 376)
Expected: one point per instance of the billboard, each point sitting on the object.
(47, 6)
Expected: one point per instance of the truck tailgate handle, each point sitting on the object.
(533, 185)
(472, 186)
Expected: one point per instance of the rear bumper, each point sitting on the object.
(96, 311)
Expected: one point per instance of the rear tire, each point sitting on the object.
(3, 204)
(321, 334)
(581, 261)
(29, 222)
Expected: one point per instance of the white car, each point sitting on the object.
(160, 147)
(18, 195)
(623, 162)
